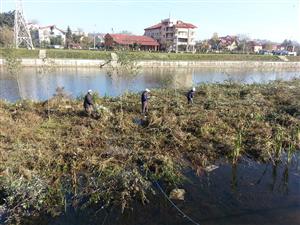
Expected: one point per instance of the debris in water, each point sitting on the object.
(211, 168)
(177, 194)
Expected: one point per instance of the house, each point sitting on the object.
(173, 35)
(255, 47)
(271, 46)
(131, 42)
(228, 43)
(47, 34)
(98, 38)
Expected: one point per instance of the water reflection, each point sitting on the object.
(238, 194)
(32, 85)
(234, 180)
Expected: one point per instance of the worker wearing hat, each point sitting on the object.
(144, 98)
(88, 102)
(190, 95)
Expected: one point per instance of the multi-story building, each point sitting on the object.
(173, 35)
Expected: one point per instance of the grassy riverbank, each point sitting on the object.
(86, 54)
(51, 151)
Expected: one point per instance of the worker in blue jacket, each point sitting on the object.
(190, 95)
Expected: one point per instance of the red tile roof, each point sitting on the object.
(125, 39)
(156, 26)
(181, 24)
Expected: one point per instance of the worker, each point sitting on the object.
(190, 95)
(88, 102)
(144, 98)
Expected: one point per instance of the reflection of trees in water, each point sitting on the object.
(277, 175)
(170, 77)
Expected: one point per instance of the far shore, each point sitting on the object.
(26, 62)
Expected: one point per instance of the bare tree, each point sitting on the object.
(243, 39)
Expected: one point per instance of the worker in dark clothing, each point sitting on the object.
(144, 98)
(190, 95)
(88, 102)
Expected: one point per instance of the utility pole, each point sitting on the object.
(21, 31)
(94, 37)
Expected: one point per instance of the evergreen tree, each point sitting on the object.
(68, 37)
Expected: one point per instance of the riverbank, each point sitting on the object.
(53, 155)
(138, 55)
(85, 58)
(84, 63)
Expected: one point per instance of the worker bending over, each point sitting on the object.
(190, 95)
(88, 102)
(144, 98)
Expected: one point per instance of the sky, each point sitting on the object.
(274, 20)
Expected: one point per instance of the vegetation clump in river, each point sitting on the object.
(53, 156)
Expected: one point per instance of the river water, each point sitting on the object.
(250, 193)
(30, 84)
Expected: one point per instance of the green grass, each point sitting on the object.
(86, 54)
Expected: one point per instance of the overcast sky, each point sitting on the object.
(275, 20)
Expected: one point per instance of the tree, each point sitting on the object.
(287, 43)
(243, 40)
(76, 38)
(6, 26)
(214, 41)
(7, 19)
(35, 38)
(126, 32)
(44, 44)
(203, 46)
(68, 37)
(56, 40)
(6, 37)
(86, 42)
(268, 45)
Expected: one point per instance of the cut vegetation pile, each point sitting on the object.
(53, 156)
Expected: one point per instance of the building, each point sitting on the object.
(98, 39)
(271, 46)
(47, 35)
(255, 47)
(228, 43)
(113, 41)
(48, 32)
(173, 35)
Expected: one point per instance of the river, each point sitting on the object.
(30, 84)
(249, 193)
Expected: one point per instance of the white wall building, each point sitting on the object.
(174, 35)
(44, 34)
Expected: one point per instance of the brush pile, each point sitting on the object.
(53, 156)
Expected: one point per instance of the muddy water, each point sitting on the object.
(249, 193)
(30, 84)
